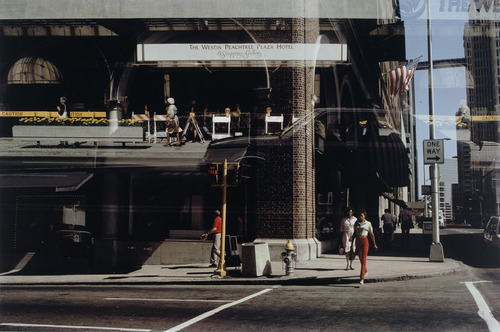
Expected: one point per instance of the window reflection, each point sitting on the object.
(311, 116)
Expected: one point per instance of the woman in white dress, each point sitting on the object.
(347, 229)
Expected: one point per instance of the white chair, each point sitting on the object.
(274, 119)
(217, 120)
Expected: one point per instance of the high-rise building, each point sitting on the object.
(482, 49)
(478, 135)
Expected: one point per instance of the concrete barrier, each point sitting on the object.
(78, 134)
(177, 251)
(255, 259)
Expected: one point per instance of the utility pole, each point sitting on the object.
(436, 250)
(221, 269)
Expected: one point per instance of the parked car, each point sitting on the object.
(492, 233)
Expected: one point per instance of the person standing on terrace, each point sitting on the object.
(172, 122)
(62, 109)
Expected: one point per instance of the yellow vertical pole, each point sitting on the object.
(221, 270)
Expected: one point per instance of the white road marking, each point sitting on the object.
(216, 310)
(484, 311)
(161, 300)
(76, 327)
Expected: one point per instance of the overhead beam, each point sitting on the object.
(124, 9)
(55, 30)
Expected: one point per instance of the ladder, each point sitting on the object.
(192, 120)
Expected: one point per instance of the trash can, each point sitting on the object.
(232, 252)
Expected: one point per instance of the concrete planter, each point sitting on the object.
(256, 260)
(77, 133)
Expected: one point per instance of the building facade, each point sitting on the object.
(307, 62)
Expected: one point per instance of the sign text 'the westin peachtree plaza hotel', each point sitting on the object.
(242, 52)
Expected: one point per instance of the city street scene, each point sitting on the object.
(229, 165)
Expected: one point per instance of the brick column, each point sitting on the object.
(304, 30)
(291, 200)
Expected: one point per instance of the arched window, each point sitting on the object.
(34, 70)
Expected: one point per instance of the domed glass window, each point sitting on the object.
(33, 70)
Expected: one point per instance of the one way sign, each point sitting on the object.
(434, 151)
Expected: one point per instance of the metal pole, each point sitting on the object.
(436, 250)
(221, 270)
(426, 213)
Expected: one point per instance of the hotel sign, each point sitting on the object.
(242, 52)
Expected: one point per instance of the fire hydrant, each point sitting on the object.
(289, 257)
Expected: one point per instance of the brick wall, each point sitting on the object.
(285, 197)
(274, 191)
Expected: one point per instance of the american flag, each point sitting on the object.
(399, 78)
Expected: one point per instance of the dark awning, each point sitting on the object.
(229, 154)
(59, 181)
(396, 201)
(232, 150)
(371, 154)
(389, 158)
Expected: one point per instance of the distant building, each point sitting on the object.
(448, 176)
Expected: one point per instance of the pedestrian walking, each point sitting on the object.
(406, 220)
(216, 245)
(362, 229)
(389, 225)
(347, 229)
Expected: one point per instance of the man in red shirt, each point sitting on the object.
(216, 230)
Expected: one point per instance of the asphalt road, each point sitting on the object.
(447, 303)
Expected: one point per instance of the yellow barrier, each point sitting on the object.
(16, 114)
(49, 114)
(46, 114)
(87, 114)
(453, 118)
(486, 118)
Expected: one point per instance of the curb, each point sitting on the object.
(278, 280)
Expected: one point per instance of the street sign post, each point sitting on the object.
(433, 151)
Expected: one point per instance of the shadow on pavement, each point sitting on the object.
(418, 246)
(57, 264)
(471, 250)
(180, 267)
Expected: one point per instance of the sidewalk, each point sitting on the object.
(327, 269)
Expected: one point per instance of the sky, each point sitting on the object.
(449, 83)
